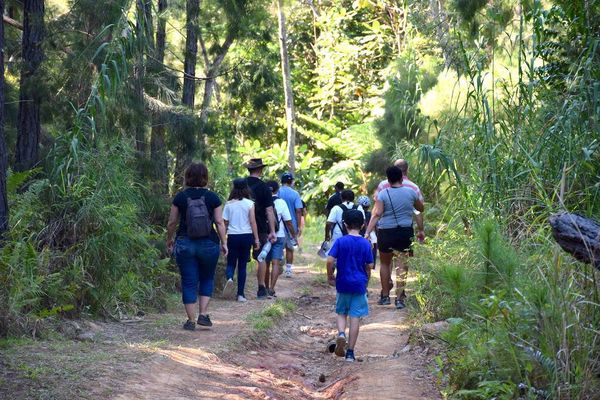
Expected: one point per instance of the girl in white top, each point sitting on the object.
(242, 234)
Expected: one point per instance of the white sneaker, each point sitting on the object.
(288, 271)
(242, 299)
(228, 289)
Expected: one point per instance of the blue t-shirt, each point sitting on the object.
(293, 201)
(353, 254)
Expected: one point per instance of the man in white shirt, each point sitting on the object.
(275, 256)
(333, 228)
(384, 184)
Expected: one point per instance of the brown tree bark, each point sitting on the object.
(184, 155)
(3, 152)
(158, 151)
(26, 154)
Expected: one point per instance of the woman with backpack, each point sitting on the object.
(197, 210)
(242, 235)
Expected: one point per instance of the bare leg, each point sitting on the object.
(275, 273)
(341, 322)
(385, 272)
(190, 310)
(260, 272)
(354, 326)
(203, 305)
(289, 256)
(267, 273)
(401, 275)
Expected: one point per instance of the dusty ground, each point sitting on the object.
(153, 358)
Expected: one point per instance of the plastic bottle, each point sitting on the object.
(264, 252)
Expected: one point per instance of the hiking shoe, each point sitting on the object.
(271, 293)
(189, 325)
(288, 272)
(228, 289)
(340, 345)
(350, 355)
(204, 320)
(384, 301)
(399, 304)
(261, 294)
(242, 299)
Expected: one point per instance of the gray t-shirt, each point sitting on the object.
(402, 200)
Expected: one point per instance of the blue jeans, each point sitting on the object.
(197, 261)
(239, 254)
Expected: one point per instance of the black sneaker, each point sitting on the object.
(262, 294)
(271, 293)
(399, 304)
(189, 325)
(204, 320)
(384, 301)
(350, 355)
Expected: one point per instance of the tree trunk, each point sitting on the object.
(26, 154)
(158, 150)
(3, 152)
(184, 154)
(577, 235)
(290, 117)
(442, 30)
(209, 89)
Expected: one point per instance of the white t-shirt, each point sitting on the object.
(335, 216)
(283, 214)
(237, 214)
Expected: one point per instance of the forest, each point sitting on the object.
(494, 103)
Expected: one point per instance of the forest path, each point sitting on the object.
(154, 358)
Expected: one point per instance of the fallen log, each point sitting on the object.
(577, 235)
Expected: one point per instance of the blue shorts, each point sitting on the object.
(276, 252)
(352, 304)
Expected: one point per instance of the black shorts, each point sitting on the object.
(263, 238)
(399, 239)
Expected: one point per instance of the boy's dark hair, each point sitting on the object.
(196, 175)
(339, 186)
(347, 195)
(274, 186)
(354, 219)
(240, 190)
(394, 174)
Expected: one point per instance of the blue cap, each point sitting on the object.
(287, 177)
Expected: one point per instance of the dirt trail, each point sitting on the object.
(156, 359)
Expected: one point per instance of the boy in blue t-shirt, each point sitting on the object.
(354, 262)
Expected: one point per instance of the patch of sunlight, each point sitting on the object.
(379, 326)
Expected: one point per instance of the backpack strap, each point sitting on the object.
(344, 209)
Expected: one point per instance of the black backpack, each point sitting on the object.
(345, 209)
(197, 218)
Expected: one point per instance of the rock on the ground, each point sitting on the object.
(435, 328)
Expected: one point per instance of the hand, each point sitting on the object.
(368, 236)
(224, 249)
(170, 244)
(256, 244)
(331, 280)
(299, 233)
(421, 236)
(272, 237)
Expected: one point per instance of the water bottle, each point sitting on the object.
(264, 252)
(294, 243)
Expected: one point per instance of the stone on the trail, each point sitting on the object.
(86, 337)
(322, 378)
(406, 348)
(435, 328)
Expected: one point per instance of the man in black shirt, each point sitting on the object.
(265, 217)
(335, 198)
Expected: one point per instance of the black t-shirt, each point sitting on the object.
(263, 198)
(333, 201)
(211, 200)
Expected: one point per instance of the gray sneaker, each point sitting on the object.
(204, 320)
(189, 325)
(228, 289)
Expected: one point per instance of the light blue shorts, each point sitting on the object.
(276, 252)
(352, 304)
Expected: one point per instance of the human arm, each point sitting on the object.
(299, 219)
(291, 230)
(172, 227)
(330, 271)
(252, 218)
(220, 223)
(330, 224)
(420, 227)
(271, 219)
(375, 216)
